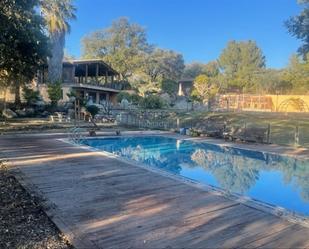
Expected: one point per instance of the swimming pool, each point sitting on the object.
(274, 179)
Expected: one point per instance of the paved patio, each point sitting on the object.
(100, 202)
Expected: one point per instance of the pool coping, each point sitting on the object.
(242, 199)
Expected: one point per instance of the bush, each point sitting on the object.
(93, 110)
(31, 96)
(152, 102)
(169, 86)
(122, 95)
(54, 93)
(133, 98)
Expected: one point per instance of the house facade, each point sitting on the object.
(185, 87)
(93, 80)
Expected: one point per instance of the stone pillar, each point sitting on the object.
(180, 91)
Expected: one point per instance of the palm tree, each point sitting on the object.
(57, 14)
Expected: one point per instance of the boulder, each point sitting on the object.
(29, 111)
(39, 103)
(45, 114)
(71, 113)
(20, 113)
(8, 113)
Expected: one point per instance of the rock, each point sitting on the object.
(8, 113)
(20, 113)
(71, 113)
(39, 103)
(68, 105)
(45, 114)
(29, 111)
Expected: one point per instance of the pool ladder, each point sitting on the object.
(75, 135)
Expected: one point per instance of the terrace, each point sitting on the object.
(94, 74)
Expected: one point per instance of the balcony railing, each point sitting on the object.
(116, 85)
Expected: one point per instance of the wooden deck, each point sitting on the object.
(100, 202)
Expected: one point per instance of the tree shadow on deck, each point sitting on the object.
(116, 205)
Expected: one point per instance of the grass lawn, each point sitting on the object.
(282, 125)
(39, 125)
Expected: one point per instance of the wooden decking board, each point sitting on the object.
(111, 204)
(282, 239)
(212, 229)
(263, 228)
(141, 217)
(100, 195)
(116, 210)
(156, 227)
(180, 232)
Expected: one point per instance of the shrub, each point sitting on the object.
(169, 86)
(152, 102)
(122, 95)
(31, 96)
(54, 93)
(93, 110)
(134, 98)
(72, 94)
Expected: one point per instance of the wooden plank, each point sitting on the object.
(111, 204)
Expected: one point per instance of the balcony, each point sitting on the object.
(88, 73)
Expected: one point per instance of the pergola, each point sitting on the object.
(94, 69)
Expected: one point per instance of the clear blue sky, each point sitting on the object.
(199, 29)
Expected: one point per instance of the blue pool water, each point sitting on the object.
(278, 180)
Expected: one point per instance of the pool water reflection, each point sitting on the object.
(278, 180)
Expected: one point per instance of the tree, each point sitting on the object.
(57, 14)
(120, 45)
(298, 26)
(211, 69)
(54, 91)
(193, 70)
(240, 62)
(297, 74)
(169, 86)
(204, 89)
(23, 44)
(273, 81)
(162, 64)
(30, 95)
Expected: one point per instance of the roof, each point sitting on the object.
(93, 87)
(103, 65)
(186, 80)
